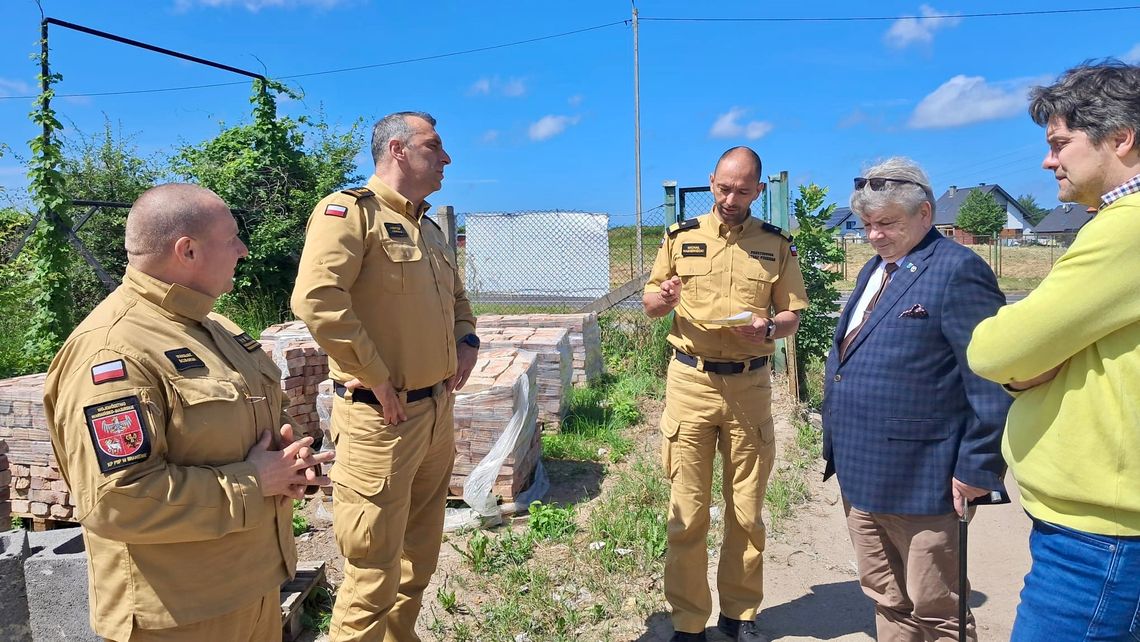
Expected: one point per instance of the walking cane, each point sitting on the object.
(963, 583)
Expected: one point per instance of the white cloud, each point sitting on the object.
(511, 88)
(490, 136)
(10, 87)
(480, 87)
(908, 31)
(257, 5)
(575, 100)
(1133, 56)
(970, 99)
(550, 126)
(727, 125)
(514, 87)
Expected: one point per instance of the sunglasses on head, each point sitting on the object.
(879, 184)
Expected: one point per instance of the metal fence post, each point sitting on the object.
(778, 185)
(670, 202)
(445, 216)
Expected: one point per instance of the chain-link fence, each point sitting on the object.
(693, 201)
(552, 261)
(1020, 262)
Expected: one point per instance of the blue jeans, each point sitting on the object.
(1082, 587)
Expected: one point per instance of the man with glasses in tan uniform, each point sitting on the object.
(166, 420)
(379, 289)
(720, 265)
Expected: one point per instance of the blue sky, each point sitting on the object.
(549, 124)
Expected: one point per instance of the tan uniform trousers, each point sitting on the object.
(390, 540)
(258, 622)
(908, 566)
(704, 413)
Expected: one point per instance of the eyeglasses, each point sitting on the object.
(878, 184)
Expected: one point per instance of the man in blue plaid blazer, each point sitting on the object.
(908, 428)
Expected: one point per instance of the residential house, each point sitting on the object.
(947, 206)
(844, 223)
(1066, 218)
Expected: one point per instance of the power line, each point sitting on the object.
(326, 72)
(993, 14)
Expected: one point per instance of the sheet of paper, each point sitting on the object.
(742, 318)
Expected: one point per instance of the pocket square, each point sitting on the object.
(915, 311)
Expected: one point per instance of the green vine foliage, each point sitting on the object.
(271, 172)
(818, 252)
(51, 301)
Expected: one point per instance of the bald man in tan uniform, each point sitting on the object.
(718, 393)
(379, 289)
(166, 420)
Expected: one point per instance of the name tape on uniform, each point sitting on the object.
(338, 211)
(762, 256)
(118, 432)
(694, 249)
(396, 230)
(109, 371)
(184, 359)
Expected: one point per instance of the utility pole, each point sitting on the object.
(637, 148)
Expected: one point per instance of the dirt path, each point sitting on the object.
(811, 592)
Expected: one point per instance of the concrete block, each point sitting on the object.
(14, 624)
(56, 576)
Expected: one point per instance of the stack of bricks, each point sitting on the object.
(37, 488)
(585, 337)
(555, 365)
(5, 487)
(483, 411)
(303, 367)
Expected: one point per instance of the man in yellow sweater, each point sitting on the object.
(1070, 354)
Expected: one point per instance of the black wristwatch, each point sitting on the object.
(471, 339)
(771, 329)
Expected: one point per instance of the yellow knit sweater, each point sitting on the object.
(1073, 443)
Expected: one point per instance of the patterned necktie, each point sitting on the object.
(888, 270)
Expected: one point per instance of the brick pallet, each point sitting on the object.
(36, 489)
(554, 361)
(5, 483)
(303, 367)
(482, 412)
(585, 337)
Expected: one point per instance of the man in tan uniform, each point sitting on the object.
(379, 289)
(718, 394)
(166, 420)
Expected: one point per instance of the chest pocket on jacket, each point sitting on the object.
(754, 284)
(697, 288)
(444, 266)
(408, 272)
(210, 423)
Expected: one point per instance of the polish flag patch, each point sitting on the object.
(338, 211)
(109, 371)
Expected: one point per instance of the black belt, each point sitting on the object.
(365, 395)
(720, 367)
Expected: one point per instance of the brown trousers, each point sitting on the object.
(908, 566)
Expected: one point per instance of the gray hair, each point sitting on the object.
(394, 127)
(163, 214)
(907, 195)
(1097, 98)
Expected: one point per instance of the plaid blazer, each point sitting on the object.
(902, 412)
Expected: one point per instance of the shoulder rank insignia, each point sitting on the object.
(768, 227)
(119, 433)
(427, 218)
(109, 371)
(681, 226)
(249, 343)
(358, 192)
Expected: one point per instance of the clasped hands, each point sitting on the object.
(288, 471)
